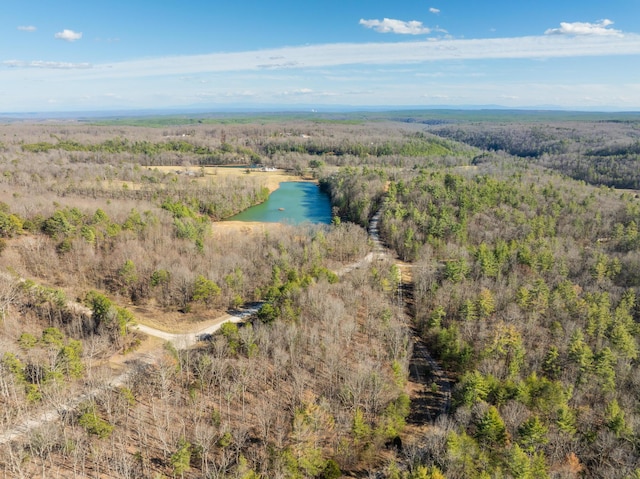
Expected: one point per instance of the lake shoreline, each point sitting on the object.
(293, 202)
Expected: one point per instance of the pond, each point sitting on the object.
(295, 202)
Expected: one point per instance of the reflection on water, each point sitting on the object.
(294, 202)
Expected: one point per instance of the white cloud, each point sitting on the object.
(242, 94)
(359, 92)
(600, 28)
(389, 25)
(269, 72)
(435, 11)
(223, 94)
(393, 53)
(27, 28)
(42, 64)
(68, 35)
(306, 92)
(297, 92)
(277, 66)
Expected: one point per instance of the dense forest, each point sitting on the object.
(520, 274)
(600, 153)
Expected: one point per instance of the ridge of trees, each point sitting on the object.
(604, 153)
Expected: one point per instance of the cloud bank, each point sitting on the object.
(27, 28)
(391, 72)
(68, 35)
(434, 10)
(340, 72)
(600, 28)
(389, 25)
(42, 64)
(340, 54)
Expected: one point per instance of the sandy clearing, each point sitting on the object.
(271, 179)
(247, 227)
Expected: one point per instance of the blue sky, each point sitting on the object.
(138, 54)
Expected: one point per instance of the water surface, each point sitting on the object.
(294, 202)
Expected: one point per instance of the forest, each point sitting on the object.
(513, 264)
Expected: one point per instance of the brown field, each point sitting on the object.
(271, 179)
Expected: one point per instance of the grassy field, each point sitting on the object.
(271, 179)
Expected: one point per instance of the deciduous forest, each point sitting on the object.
(496, 336)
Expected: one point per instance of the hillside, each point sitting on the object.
(523, 287)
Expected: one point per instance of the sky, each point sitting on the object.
(319, 54)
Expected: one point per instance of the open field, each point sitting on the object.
(271, 179)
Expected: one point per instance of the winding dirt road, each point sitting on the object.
(431, 387)
(186, 340)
